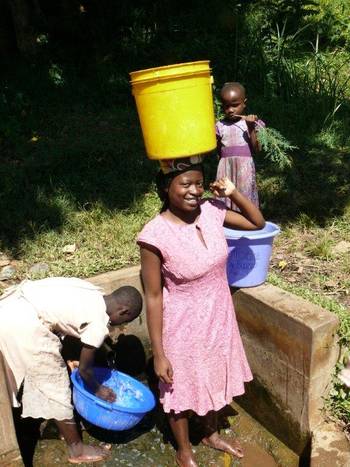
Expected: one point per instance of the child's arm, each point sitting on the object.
(152, 281)
(86, 363)
(252, 125)
(218, 140)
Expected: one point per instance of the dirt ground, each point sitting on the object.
(309, 261)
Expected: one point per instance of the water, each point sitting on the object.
(126, 394)
(150, 447)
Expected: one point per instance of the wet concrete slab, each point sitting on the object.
(149, 444)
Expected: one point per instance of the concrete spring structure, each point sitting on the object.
(291, 345)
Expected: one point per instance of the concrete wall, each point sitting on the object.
(291, 347)
(128, 276)
(292, 350)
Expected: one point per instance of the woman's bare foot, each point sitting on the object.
(214, 441)
(185, 459)
(80, 453)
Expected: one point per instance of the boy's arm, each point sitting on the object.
(86, 364)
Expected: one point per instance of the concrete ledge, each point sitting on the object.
(292, 350)
(127, 276)
(291, 347)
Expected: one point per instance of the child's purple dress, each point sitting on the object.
(200, 334)
(236, 161)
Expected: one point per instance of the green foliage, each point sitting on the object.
(275, 147)
(329, 18)
(56, 75)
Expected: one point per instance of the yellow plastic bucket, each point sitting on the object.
(175, 107)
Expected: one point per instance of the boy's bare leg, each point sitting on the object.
(213, 440)
(78, 451)
(179, 426)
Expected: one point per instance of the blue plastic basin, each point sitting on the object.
(111, 415)
(249, 255)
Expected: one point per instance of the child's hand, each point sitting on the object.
(105, 393)
(73, 364)
(163, 369)
(222, 187)
(250, 118)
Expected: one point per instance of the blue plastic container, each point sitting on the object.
(249, 255)
(111, 415)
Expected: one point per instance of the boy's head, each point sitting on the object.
(233, 100)
(123, 305)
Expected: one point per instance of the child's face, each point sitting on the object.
(186, 190)
(233, 103)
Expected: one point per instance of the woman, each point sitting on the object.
(198, 353)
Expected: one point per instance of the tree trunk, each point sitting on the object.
(24, 12)
(7, 33)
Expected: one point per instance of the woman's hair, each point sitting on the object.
(163, 182)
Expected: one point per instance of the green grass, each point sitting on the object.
(105, 239)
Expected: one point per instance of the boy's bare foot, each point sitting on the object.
(185, 459)
(214, 441)
(80, 453)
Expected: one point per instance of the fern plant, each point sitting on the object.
(275, 147)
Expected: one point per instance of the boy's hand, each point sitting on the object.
(105, 393)
(222, 187)
(73, 364)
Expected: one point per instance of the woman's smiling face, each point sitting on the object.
(186, 190)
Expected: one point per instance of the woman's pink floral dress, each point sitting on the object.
(200, 333)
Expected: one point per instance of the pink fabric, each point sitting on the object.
(233, 147)
(241, 171)
(200, 333)
(242, 151)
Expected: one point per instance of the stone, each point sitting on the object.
(329, 446)
(69, 248)
(341, 248)
(39, 268)
(4, 260)
(7, 272)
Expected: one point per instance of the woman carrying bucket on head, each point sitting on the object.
(198, 352)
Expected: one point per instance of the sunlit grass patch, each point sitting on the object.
(320, 247)
(104, 240)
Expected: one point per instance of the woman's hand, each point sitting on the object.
(163, 369)
(222, 187)
(105, 393)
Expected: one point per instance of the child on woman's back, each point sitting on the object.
(237, 140)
